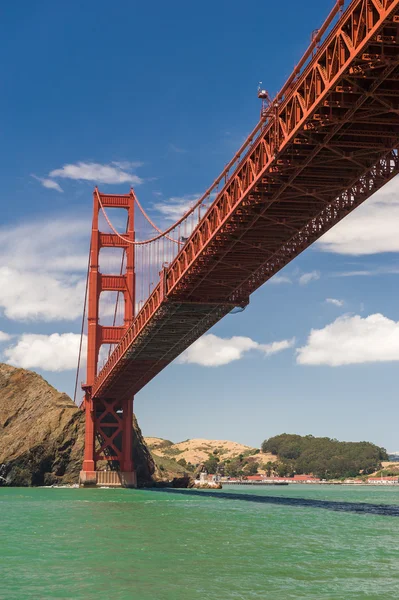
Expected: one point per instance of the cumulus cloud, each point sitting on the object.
(38, 296)
(46, 269)
(352, 340)
(116, 172)
(308, 277)
(213, 351)
(370, 229)
(335, 302)
(4, 337)
(55, 352)
(46, 265)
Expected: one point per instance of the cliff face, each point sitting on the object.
(42, 434)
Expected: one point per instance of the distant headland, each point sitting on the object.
(285, 457)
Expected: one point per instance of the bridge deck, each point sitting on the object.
(321, 151)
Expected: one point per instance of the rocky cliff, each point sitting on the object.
(42, 434)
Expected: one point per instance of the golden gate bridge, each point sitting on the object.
(326, 142)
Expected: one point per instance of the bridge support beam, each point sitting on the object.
(108, 456)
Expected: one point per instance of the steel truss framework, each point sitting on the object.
(109, 421)
(321, 150)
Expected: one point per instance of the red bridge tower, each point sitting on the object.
(109, 421)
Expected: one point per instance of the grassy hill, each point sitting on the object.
(173, 459)
(196, 451)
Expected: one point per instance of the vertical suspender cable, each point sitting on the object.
(82, 328)
(118, 293)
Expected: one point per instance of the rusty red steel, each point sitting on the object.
(328, 141)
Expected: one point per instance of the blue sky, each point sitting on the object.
(161, 95)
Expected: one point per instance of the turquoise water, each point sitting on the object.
(275, 543)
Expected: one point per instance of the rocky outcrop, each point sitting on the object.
(182, 482)
(42, 434)
(142, 458)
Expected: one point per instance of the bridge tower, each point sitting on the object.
(109, 421)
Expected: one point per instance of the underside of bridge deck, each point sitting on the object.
(322, 148)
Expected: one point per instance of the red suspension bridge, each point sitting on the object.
(323, 145)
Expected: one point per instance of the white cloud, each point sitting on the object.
(352, 340)
(4, 337)
(46, 265)
(38, 296)
(335, 302)
(382, 270)
(112, 173)
(46, 269)
(213, 351)
(50, 245)
(55, 352)
(48, 183)
(127, 165)
(175, 207)
(370, 229)
(362, 273)
(308, 277)
(277, 279)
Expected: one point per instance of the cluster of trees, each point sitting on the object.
(187, 465)
(323, 457)
(239, 466)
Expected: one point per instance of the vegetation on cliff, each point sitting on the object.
(323, 457)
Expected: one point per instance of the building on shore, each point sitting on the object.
(273, 479)
(387, 480)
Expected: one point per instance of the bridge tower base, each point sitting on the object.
(108, 459)
(108, 478)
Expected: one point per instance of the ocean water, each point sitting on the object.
(313, 542)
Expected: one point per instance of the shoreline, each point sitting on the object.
(347, 483)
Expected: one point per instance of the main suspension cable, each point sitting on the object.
(246, 146)
(152, 223)
(157, 237)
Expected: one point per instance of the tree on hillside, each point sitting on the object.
(251, 468)
(284, 469)
(234, 468)
(269, 468)
(187, 465)
(211, 465)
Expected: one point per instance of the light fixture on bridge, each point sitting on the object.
(237, 309)
(266, 100)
